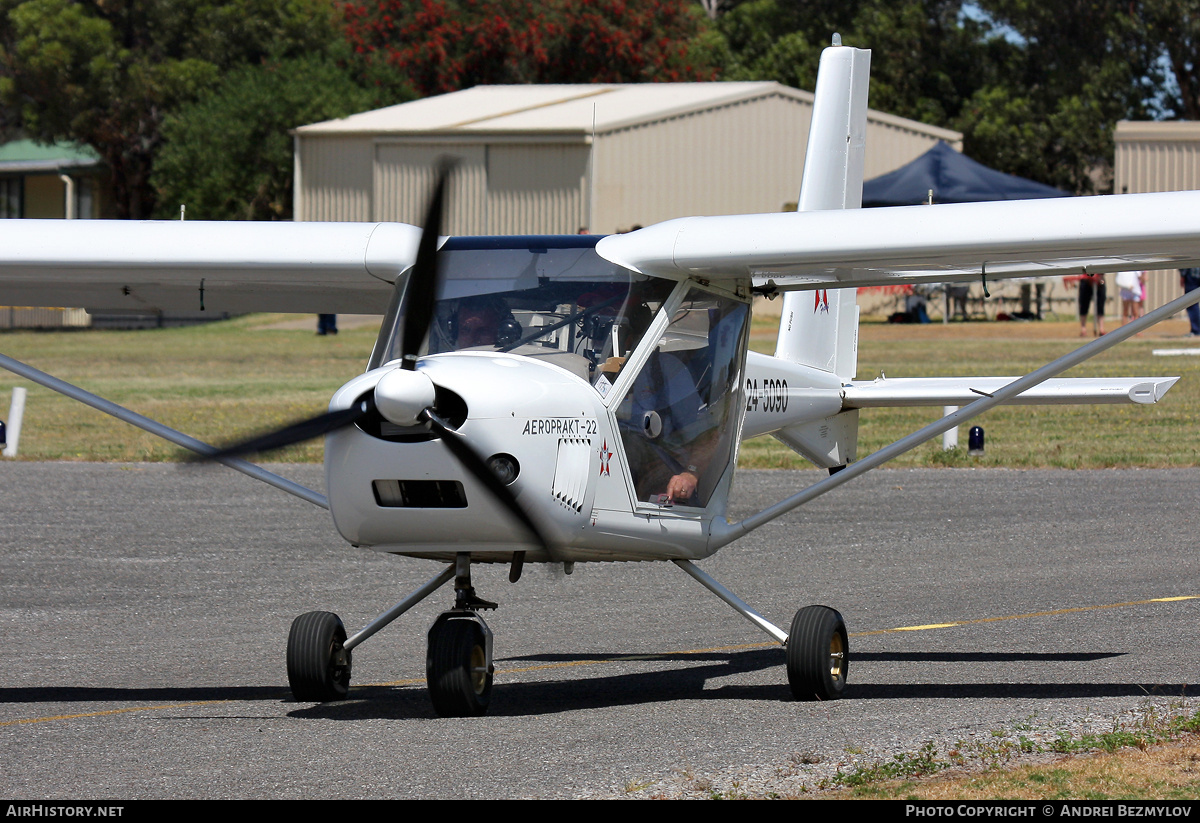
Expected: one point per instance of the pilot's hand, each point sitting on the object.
(682, 487)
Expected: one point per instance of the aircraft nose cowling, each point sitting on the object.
(405, 491)
(401, 395)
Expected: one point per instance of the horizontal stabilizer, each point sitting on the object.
(957, 391)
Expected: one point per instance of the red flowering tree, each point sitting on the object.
(444, 45)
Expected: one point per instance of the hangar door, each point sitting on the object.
(496, 189)
(537, 189)
(404, 178)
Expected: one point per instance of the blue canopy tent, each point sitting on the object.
(954, 178)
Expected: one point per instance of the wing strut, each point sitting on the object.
(725, 533)
(400, 608)
(165, 432)
(739, 605)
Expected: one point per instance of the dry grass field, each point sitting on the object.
(1166, 434)
(220, 381)
(1159, 761)
(214, 382)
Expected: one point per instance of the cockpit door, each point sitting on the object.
(679, 416)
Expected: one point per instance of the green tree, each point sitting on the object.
(1174, 27)
(1071, 70)
(924, 54)
(445, 45)
(1036, 88)
(107, 73)
(769, 40)
(228, 154)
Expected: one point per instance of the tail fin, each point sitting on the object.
(820, 328)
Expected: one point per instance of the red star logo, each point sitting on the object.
(820, 300)
(605, 456)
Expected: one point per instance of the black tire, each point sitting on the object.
(313, 653)
(456, 668)
(818, 654)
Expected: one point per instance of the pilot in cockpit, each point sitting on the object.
(671, 442)
(481, 321)
(676, 416)
(679, 415)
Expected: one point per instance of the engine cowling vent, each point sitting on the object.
(571, 472)
(419, 494)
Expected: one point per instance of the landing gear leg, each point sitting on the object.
(818, 649)
(458, 665)
(464, 592)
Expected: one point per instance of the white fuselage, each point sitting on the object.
(574, 475)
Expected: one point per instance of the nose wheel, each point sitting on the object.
(458, 666)
(818, 654)
(318, 664)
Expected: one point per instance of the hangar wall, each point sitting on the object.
(730, 148)
(1154, 157)
(336, 181)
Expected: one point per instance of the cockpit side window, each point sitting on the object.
(678, 419)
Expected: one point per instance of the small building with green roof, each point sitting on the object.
(52, 181)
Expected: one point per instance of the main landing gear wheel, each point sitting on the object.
(458, 666)
(318, 665)
(818, 654)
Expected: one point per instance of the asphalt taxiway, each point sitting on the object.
(144, 611)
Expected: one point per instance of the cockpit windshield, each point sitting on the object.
(551, 298)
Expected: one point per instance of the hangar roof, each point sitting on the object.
(572, 109)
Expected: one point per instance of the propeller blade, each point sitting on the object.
(423, 280)
(420, 302)
(422, 294)
(477, 466)
(295, 433)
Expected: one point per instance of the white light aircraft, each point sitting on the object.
(571, 399)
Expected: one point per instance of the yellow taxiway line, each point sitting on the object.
(1029, 615)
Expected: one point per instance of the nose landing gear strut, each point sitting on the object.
(458, 665)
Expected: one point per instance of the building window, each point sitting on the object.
(10, 197)
(84, 198)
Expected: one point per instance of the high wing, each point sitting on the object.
(349, 267)
(199, 266)
(918, 244)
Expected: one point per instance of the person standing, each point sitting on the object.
(1091, 286)
(1189, 280)
(1133, 294)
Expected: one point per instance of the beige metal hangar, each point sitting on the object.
(553, 159)
(1154, 156)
